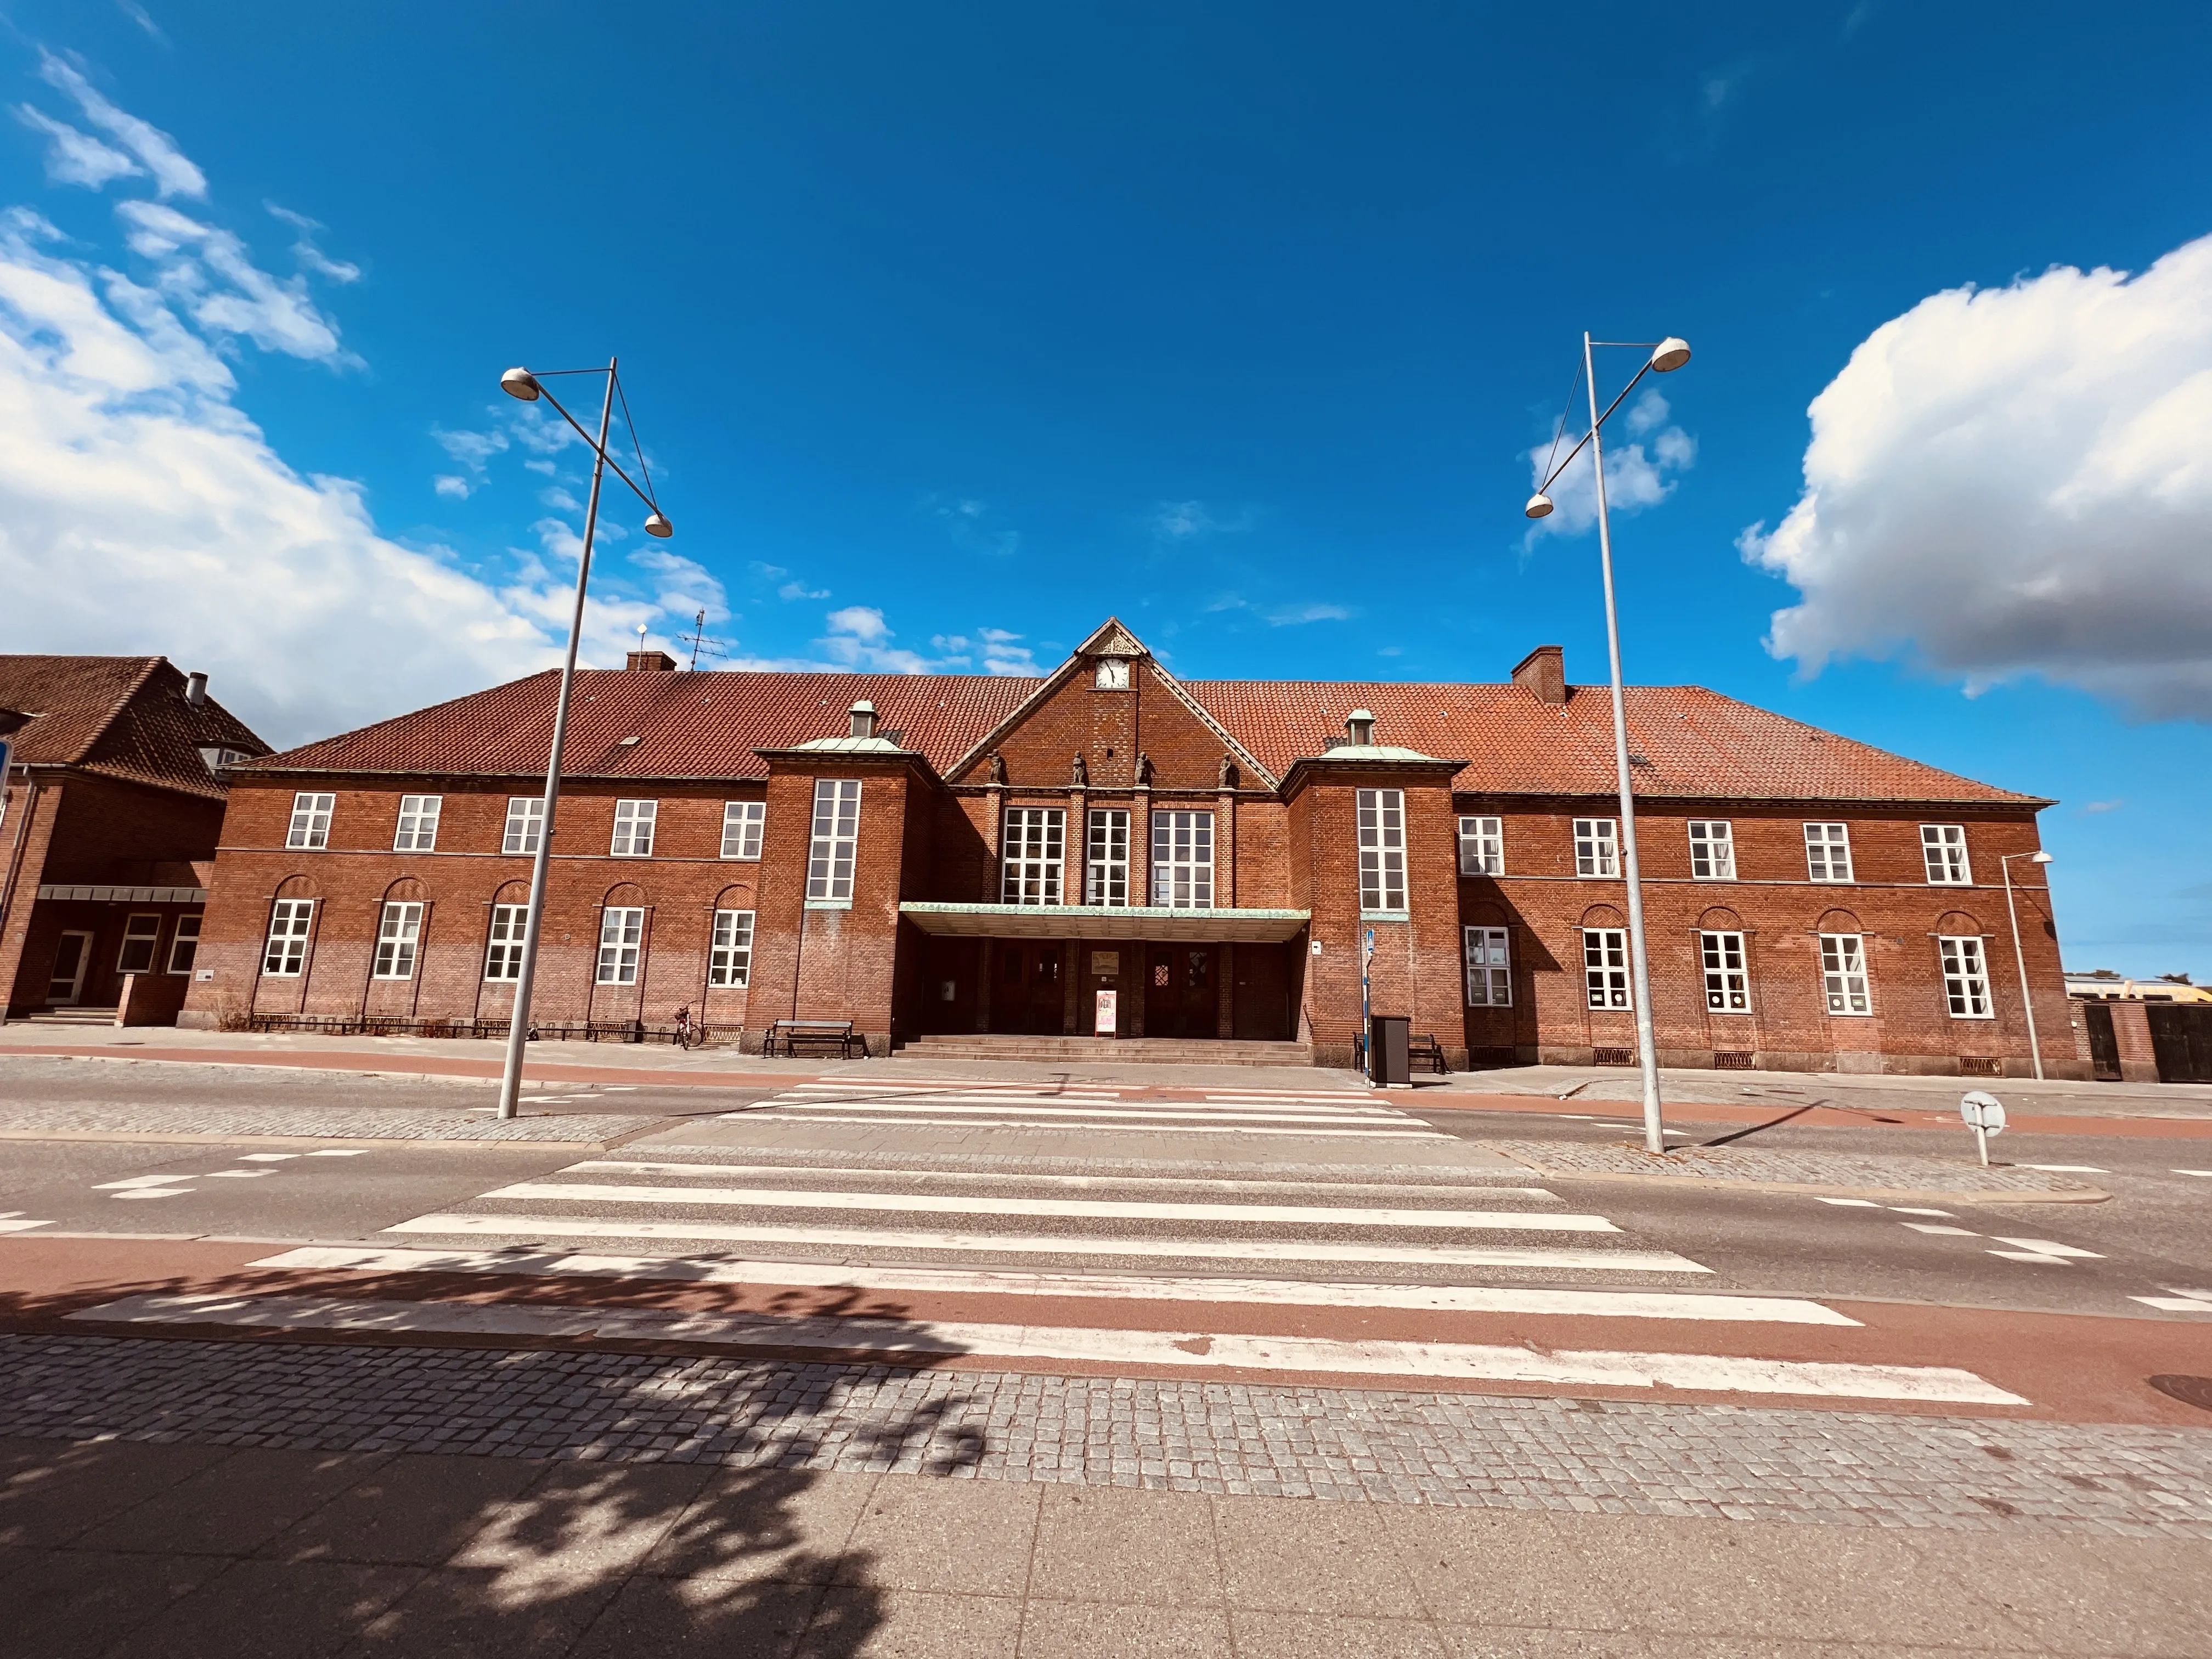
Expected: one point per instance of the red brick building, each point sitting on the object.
(108, 823)
(940, 855)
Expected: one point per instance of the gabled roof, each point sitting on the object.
(120, 717)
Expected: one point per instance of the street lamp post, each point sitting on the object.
(2019, 955)
(522, 384)
(1666, 356)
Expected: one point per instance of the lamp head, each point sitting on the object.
(2038, 858)
(1540, 506)
(1669, 355)
(657, 525)
(520, 383)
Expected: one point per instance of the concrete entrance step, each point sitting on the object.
(1163, 1051)
(72, 1016)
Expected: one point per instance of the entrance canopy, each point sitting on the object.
(1105, 921)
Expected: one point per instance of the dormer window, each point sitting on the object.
(1113, 674)
(1359, 727)
(863, 719)
(219, 761)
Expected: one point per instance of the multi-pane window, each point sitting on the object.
(311, 821)
(1597, 847)
(1481, 846)
(1827, 852)
(184, 947)
(1843, 974)
(397, 933)
(1728, 986)
(621, 934)
(730, 958)
(835, 840)
(1382, 850)
(288, 919)
(503, 955)
(1182, 860)
(140, 935)
(1966, 977)
(1605, 967)
(418, 824)
(634, 821)
(1943, 847)
(1035, 845)
(525, 823)
(1489, 968)
(1106, 867)
(1712, 849)
(742, 824)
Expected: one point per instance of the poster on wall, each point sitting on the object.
(1106, 1014)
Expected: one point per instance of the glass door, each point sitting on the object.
(71, 956)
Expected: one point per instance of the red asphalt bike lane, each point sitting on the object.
(2074, 1368)
(1429, 1098)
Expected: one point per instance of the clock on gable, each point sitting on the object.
(1113, 674)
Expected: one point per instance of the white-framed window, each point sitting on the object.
(288, 921)
(1828, 852)
(141, 936)
(185, 946)
(835, 842)
(525, 823)
(1727, 983)
(1966, 977)
(730, 958)
(1489, 967)
(1382, 816)
(1605, 967)
(1481, 846)
(622, 935)
(418, 824)
(1182, 860)
(503, 954)
(1597, 847)
(634, 821)
(311, 821)
(398, 933)
(1843, 974)
(1106, 865)
(1712, 849)
(743, 821)
(1030, 859)
(1943, 848)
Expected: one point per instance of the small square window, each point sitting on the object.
(743, 823)
(1481, 846)
(1597, 847)
(1712, 849)
(634, 823)
(1943, 848)
(310, 821)
(1828, 853)
(525, 823)
(418, 824)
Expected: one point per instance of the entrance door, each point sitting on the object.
(1029, 998)
(71, 957)
(1182, 996)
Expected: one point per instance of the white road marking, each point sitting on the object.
(2175, 1304)
(1907, 1209)
(801, 1198)
(2194, 1172)
(1118, 1287)
(1851, 1203)
(1708, 1373)
(155, 1192)
(1237, 1249)
(12, 1223)
(1048, 1109)
(1210, 1183)
(237, 1175)
(2045, 1247)
(2066, 1169)
(266, 1158)
(1212, 1128)
(1932, 1227)
(130, 1182)
(355, 1152)
(2036, 1257)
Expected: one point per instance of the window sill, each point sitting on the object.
(741, 858)
(1386, 916)
(828, 905)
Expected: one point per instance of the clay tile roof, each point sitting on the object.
(120, 717)
(703, 724)
(1694, 743)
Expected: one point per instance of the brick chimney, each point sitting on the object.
(1544, 671)
(650, 662)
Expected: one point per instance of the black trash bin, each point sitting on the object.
(1390, 1052)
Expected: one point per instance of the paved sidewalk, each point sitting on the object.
(890, 1513)
(1757, 1169)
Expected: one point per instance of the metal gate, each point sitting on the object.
(2181, 1039)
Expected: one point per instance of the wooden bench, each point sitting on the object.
(1427, 1048)
(790, 1037)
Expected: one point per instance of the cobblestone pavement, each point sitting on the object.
(317, 1123)
(1899, 1172)
(1850, 1469)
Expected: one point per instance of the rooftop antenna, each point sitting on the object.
(640, 637)
(701, 642)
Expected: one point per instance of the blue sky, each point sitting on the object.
(952, 329)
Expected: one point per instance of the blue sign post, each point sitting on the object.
(1366, 1008)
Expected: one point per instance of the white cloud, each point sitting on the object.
(863, 623)
(2103, 805)
(274, 314)
(73, 157)
(174, 172)
(965, 520)
(1187, 521)
(1637, 474)
(2014, 482)
(1282, 615)
(307, 252)
(453, 487)
(801, 591)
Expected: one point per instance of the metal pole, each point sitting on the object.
(2019, 961)
(1655, 1136)
(517, 1031)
